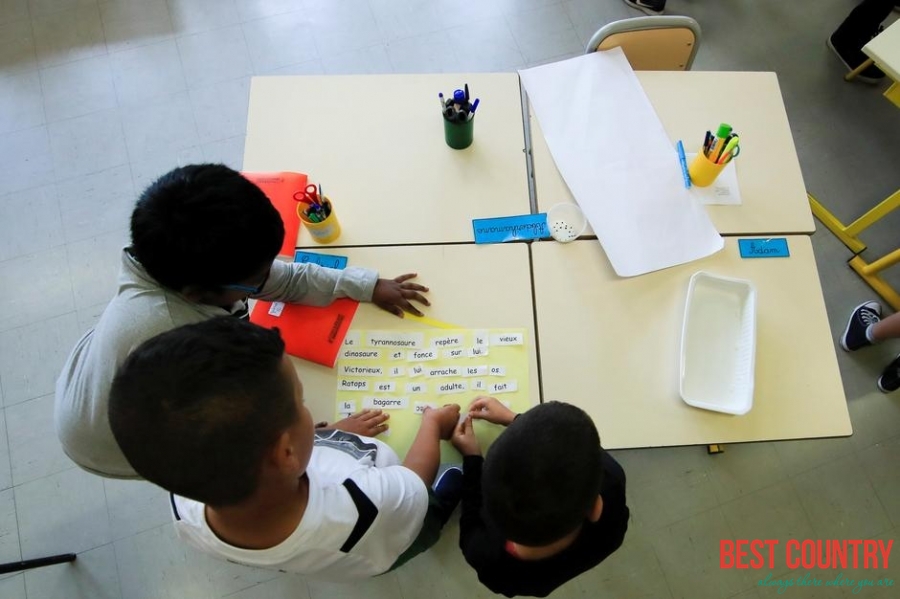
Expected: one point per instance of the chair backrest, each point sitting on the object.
(663, 43)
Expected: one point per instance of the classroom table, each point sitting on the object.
(611, 346)
(690, 103)
(884, 49)
(475, 287)
(376, 144)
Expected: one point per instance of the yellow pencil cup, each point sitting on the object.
(703, 171)
(325, 231)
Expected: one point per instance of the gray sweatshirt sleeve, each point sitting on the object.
(304, 283)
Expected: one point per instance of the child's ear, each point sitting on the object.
(597, 510)
(283, 454)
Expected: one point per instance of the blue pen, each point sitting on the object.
(459, 97)
(472, 109)
(441, 98)
(684, 167)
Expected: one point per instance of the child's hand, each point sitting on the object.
(464, 439)
(393, 295)
(368, 423)
(490, 409)
(446, 418)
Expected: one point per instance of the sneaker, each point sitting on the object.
(650, 7)
(890, 378)
(448, 490)
(854, 336)
(852, 58)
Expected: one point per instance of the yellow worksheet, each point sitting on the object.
(403, 372)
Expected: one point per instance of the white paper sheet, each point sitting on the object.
(614, 155)
(724, 191)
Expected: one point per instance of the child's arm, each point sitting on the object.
(490, 409)
(367, 423)
(424, 454)
(316, 285)
(471, 528)
(319, 286)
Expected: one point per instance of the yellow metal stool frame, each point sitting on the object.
(849, 236)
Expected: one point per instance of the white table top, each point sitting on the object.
(611, 346)
(884, 49)
(376, 144)
(690, 103)
(475, 287)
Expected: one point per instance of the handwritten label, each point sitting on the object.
(416, 388)
(397, 371)
(478, 352)
(346, 407)
(497, 370)
(510, 228)
(455, 353)
(417, 370)
(474, 370)
(478, 385)
(326, 260)
(776, 247)
(352, 339)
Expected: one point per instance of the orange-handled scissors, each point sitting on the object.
(308, 196)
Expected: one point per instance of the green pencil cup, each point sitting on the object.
(459, 135)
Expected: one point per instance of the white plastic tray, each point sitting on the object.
(718, 344)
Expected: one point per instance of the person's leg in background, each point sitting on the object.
(650, 7)
(860, 26)
(866, 327)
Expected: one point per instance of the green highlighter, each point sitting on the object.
(719, 141)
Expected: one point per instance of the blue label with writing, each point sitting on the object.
(510, 228)
(327, 260)
(774, 247)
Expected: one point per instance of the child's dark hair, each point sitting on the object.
(542, 476)
(195, 409)
(204, 225)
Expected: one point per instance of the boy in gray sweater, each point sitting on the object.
(203, 240)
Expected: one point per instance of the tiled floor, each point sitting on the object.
(98, 98)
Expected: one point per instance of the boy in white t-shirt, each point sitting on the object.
(214, 413)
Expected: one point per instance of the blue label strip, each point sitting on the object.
(775, 247)
(510, 228)
(327, 260)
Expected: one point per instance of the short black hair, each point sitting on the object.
(543, 474)
(196, 408)
(205, 225)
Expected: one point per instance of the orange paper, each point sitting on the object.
(310, 332)
(280, 189)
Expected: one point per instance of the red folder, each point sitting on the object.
(310, 332)
(280, 189)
